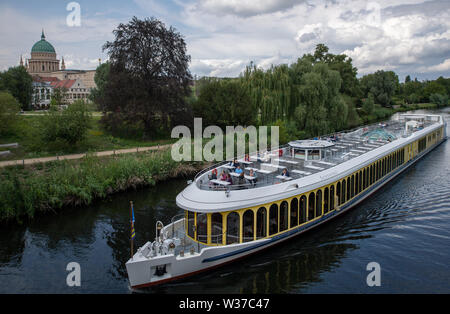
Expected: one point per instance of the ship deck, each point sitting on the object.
(269, 166)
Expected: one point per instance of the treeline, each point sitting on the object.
(318, 94)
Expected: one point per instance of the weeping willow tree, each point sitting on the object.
(270, 91)
(306, 93)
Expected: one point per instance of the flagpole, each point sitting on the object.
(132, 228)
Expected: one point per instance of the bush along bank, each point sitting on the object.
(26, 191)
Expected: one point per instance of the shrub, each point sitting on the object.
(69, 126)
(9, 107)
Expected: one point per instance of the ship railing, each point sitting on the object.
(177, 223)
(225, 162)
(206, 184)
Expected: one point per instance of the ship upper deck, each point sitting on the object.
(263, 169)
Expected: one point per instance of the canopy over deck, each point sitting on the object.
(310, 144)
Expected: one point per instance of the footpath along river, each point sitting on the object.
(404, 227)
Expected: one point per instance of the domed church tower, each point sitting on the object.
(43, 58)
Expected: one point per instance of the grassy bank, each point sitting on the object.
(27, 191)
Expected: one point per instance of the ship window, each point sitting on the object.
(332, 197)
(357, 183)
(299, 153)
(302, 216)
(261, 223)
(319, 203)
(284, 215)
(294, 212)
(326, 196)
(273, 219)
(343, 192)
(375, 172)
(352, 186)
(216, 228)
(191, 224)
(366, 178)
(338, 193)
(311, 206)
(248, 220)
(233, 228)
(348, 188)
(380, 169)
(202, 228)
(371, 175)
(313, 154)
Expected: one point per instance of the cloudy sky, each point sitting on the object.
(223, 36)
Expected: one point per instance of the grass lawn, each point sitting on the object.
(26, 133)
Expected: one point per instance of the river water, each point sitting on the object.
(404, 227)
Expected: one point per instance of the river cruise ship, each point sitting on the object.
(279, 195)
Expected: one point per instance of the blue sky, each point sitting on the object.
(223, 36)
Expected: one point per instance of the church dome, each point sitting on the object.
(43, 45)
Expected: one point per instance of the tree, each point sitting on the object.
(321, 109)
(149, 78)
(382, 85)
(343, 64)
(69, 125)
(368, 104)
(439, 99)
(9, 107)
(407, 79)
(225, 103)
(433, 87)
(101, 80)
(19, 84)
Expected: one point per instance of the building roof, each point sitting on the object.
(43, 45)
(38, 78)
(63, 84)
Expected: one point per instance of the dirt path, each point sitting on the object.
(31, 161)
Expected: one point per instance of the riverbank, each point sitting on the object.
(31, 190)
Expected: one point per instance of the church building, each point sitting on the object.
(49, 73)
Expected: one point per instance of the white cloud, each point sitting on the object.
(217, 67)
(442, 67)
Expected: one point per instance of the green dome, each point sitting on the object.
(43, 45)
